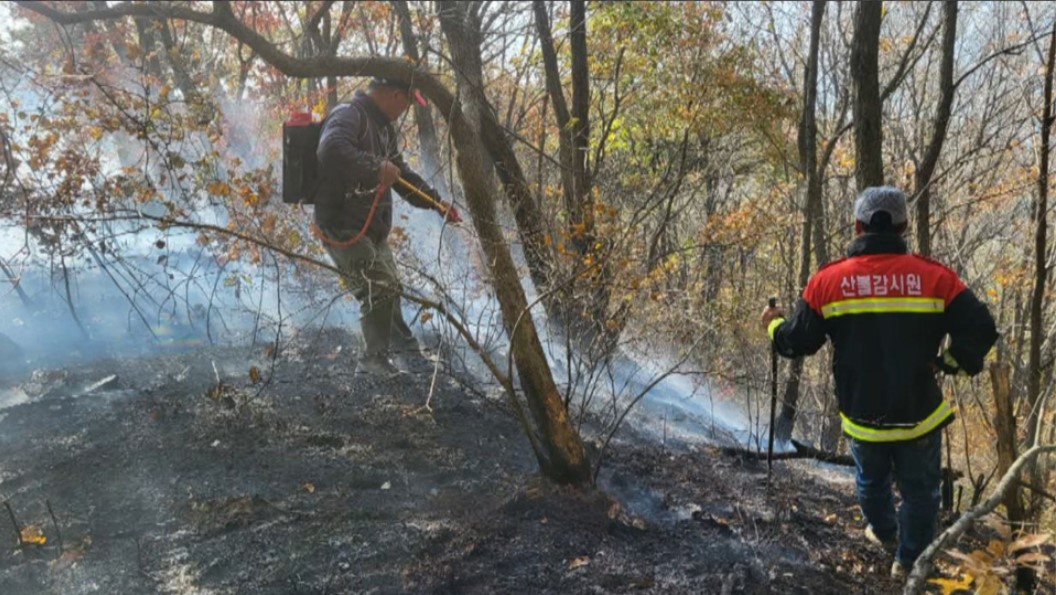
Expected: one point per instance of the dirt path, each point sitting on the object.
(326, 483)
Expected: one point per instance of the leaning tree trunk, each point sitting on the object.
(865, 81)
(813, 219)
(1037, 298)
(947, 89)
(566, 458)
(566, 461)
(455, 21)
(531, 228)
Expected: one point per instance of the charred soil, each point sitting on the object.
(314, 480)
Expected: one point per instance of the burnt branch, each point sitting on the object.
(14, 523)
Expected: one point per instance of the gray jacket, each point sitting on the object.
(356, 137)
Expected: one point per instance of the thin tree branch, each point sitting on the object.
(922, 567)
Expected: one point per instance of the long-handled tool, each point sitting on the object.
(439, 206)
(773, 403)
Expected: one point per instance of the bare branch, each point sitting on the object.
(905, 64)
(922, 567)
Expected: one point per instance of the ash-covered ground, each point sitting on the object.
(313, 480)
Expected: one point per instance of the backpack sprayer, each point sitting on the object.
(300, 166)
(300, 171)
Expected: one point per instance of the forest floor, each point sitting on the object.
(318, 481)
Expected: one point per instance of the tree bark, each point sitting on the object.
(147, 41)
(581, 114)
(865, 82)
(808, 140)
(330, 45)
(576, 179)
(1037, 298)
(574, 130)
(16, 282)
(201, 106)
(463, 35)
(940, 125)
(566, 461)
(531, 228)
(1035, 368)
(116, 40)
(1005, 425)
(175, 60)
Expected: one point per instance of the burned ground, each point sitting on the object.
(317, 481)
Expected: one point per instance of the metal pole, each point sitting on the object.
(773, 403)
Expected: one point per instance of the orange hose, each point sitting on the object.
(359, 236)
(370, 216)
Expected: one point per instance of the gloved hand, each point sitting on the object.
(770, 314)
(947, 365)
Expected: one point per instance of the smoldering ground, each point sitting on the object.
(317, 481)
(171, 466)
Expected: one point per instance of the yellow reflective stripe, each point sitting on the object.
(877, 305)
(772, 328)
(897, 434)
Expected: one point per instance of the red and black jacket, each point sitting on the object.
(887, 313)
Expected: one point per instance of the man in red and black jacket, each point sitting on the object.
(887, 313)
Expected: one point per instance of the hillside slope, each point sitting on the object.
(320, 482)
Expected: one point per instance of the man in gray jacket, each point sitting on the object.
(359, 163)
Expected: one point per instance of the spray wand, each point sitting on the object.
(445, 209)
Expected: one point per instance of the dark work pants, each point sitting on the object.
(916, 467)
(369, 272)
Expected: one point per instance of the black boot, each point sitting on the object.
(377, 364)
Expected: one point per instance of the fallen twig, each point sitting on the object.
(802, 451)
(14, 523)
(58, 534)
(436, 370)
(108, 381)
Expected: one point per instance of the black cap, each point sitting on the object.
(404, 86)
